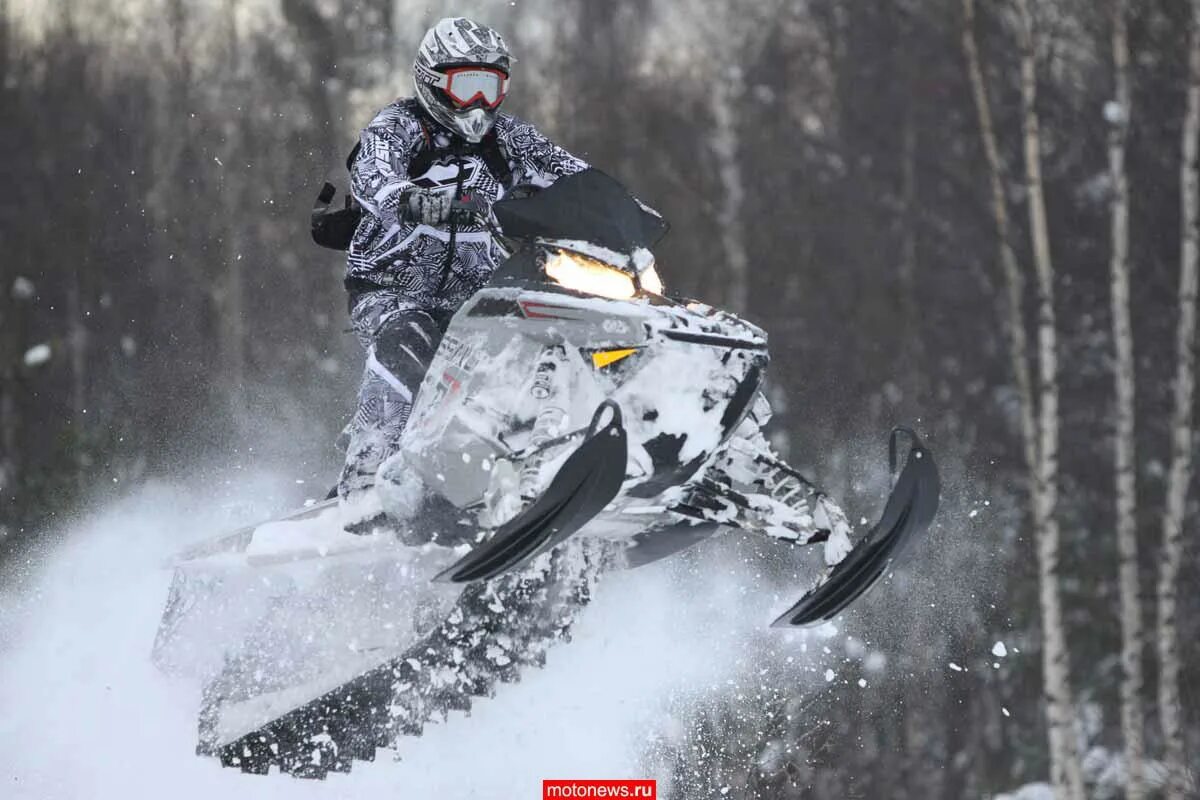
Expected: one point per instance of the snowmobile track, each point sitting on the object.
(495, 630)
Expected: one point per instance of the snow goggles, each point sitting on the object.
(469, 86)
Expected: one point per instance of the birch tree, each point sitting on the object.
(1170, 707)
(1117, 112)
(1039, 430)
(1039, 410)
(1014, 280)
(1066, 769)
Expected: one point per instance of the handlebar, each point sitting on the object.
(474, 210)
(469, 210)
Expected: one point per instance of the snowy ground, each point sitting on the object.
(83, 713)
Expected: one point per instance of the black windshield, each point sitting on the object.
(588, 206)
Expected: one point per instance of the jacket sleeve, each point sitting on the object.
(379, 176)
(536, 160)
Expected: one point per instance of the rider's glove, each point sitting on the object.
(429, 206)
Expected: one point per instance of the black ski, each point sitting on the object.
(586, 483)
(910, 509)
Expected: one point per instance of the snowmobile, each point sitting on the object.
(575, 419)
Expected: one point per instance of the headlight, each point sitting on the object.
(587, 275)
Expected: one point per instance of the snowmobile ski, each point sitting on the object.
(910, 508)
(586, 483)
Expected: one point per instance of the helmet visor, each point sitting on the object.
(469, 86)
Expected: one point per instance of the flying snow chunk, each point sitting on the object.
(826, 631)
(37, 355)
(1113, 112)
(23, 288)
(955, 667)
(999, 650)
(829, 675)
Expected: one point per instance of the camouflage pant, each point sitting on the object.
(400, 341)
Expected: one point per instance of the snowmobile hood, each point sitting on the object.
(589, 206)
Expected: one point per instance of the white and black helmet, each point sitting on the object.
(461, 76)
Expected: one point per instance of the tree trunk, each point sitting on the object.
(914, 351)
(726, 146)
(1125, 475)
(1066, 769)
(1014, 281)
(231, 305)
(5, 33)
(77, 362)
(10, 421)
(1170, 707)
(1039, 435)
(324, 99)
(11, 339)
(177, 313)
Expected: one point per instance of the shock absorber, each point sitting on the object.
(548, 389)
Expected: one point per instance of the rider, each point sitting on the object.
(412, 262)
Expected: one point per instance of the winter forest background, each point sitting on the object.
(828, 172)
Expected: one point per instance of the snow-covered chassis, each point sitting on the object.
(573, 419)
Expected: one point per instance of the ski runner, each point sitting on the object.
(411, 265)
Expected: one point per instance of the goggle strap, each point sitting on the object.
(431, 76)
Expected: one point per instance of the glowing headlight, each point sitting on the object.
(588, 275)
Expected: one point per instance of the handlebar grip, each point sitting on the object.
(471, 203)
(462, 216)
